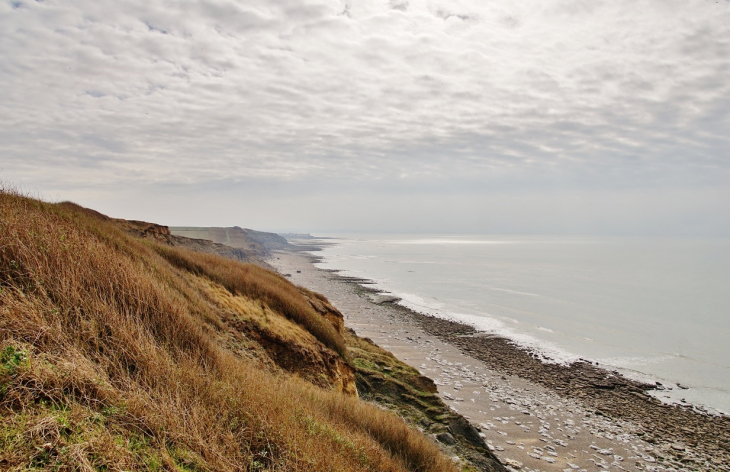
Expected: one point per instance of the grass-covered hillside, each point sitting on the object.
(124, 353)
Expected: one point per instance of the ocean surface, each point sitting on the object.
(655, 309)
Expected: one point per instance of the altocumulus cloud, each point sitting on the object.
(434, 97)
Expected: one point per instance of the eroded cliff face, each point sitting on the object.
(144, 229)
(258, 244)
(322, 306)
(345, 380)
(282, 343)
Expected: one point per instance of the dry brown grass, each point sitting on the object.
(109, 361)
(260, 284)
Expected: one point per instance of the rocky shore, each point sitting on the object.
(694, 438)
(534, 415)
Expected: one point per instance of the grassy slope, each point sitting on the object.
(122, 354)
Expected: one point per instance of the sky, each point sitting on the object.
(459, 116)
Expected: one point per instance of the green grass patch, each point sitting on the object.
(11, 360)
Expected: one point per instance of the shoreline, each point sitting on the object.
(574, 417)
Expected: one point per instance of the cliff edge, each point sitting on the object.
(120, 350)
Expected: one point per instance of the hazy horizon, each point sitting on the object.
(408, 116)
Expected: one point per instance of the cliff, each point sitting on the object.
(121, 349)
(257, 244)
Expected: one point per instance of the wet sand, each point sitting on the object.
(534, 416)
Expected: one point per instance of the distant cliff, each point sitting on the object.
(289, 236)
(258, 244)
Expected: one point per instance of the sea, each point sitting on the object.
(657, 310)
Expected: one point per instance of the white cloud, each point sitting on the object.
(420, 92)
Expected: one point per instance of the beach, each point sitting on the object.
(534, 415)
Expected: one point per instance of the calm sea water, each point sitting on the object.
(656, 309)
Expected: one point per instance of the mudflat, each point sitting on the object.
(534, 414)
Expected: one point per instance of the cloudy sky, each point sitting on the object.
(557, 116)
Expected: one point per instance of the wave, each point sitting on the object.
(453, 241)
(516, 292)
(548, 351)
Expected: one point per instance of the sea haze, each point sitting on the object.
(656, 309)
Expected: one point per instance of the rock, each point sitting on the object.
(461, 427)
(513, 463)
(379, 299)
(446, 438)
(678, 446)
